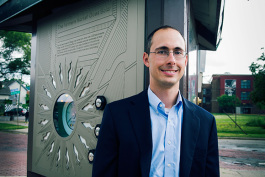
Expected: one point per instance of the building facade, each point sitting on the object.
(16, 86)
(238, 85)
(14, 91)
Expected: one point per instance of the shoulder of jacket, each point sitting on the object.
(127, 100)
(197, 108)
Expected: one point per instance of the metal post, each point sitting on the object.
(235, 109)
(19, 98)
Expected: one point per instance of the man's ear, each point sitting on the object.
(186, 60)
(146, 59)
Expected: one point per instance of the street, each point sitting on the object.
(7, 118)
(242, 157)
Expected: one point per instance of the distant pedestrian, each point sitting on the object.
(27, 116)
(11, 116)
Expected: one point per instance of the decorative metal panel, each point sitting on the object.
(84, 50)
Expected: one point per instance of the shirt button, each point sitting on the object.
(157, 112)
(160, 105)
(169, 142)
(168, 165)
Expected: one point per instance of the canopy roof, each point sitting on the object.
(17, 15)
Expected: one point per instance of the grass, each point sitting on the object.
(252, 124)
(4, 127)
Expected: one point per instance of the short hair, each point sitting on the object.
(150, 37)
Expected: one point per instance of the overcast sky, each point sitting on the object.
(243, 36)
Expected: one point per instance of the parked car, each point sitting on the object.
(24, 111)
(14, 112)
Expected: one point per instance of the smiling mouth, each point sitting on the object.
(169, 71)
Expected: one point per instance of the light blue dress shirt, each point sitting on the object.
(166, 135)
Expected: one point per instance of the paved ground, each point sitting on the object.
(242, 158)
(13, 149)
(13, 154)
(238, 158)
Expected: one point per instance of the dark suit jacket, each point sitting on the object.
(125, 142)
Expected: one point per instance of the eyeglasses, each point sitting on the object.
(178, 54)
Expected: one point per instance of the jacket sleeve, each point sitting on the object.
(212, 161)
(106, 155)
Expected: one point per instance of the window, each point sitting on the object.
(64, 115)
(246, 110)
(245, 83)
(230, 87)
(204, 91)
(244, 95)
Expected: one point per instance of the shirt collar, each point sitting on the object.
(179, 99)
(154, 101)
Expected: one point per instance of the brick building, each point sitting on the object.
(239, 85)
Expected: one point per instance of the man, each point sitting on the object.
(158, 132)
(27, 116)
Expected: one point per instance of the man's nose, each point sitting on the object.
(171, 58)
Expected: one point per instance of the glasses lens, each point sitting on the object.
(162, 53)
(178, 54)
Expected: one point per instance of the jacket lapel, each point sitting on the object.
(189, 135)
(141, 122)
(140, 118)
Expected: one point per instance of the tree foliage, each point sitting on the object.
(258, 71)
(228, 103)
(26, 106)
(12, 42)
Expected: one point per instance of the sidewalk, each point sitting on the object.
(241, 173)
(242, 157)
(13, 154)
(13, 148)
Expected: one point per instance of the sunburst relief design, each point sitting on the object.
(65, 144)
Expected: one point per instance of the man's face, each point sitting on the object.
(165, 72)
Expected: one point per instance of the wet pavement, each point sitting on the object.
(254, 145)
(249, 154)
(238, 158)
(244, 158)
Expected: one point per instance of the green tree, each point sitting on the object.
(258, 71)
(26, 106)
(228, 103)
(11, 42)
